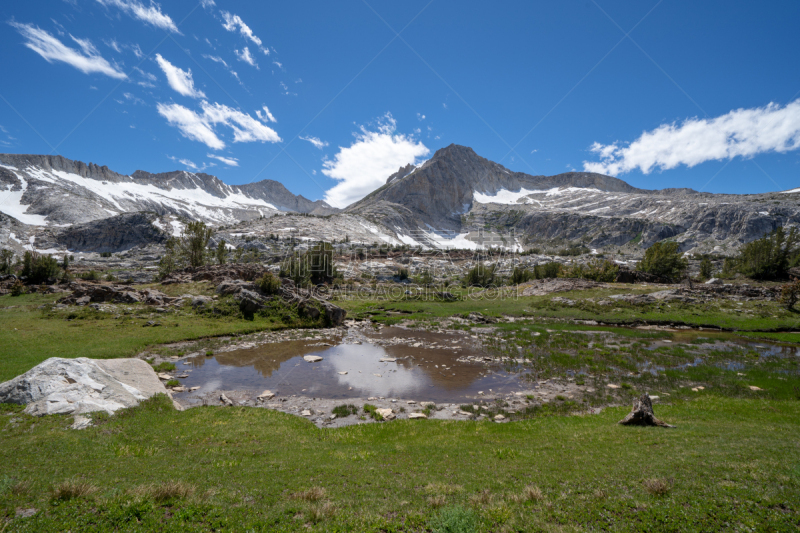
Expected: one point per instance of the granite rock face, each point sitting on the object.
(82, 385)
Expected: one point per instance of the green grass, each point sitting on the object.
(29, 335)
(731, 464)
(750, 316)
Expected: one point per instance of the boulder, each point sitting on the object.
(714, 281)
(249, 301)
(82, 385)
(312, 358)
(387, 414)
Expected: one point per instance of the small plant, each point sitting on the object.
(269, 284)
(173, 383)
(402, 274)
(437, 501)
(110, 277)
(532, 493)
(318, 513)
(482, 498)
(454, 519)
(343, 411)
(167, 491)
(561, 398)
(17, 289)
(209, 353)
(372, 411)
(790, 294)
(164, 367)
(72, 489)
(626, 385)
(657, 487)
(105, 254)
(310, 495)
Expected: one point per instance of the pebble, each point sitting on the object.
(312, 358)
(413, 416)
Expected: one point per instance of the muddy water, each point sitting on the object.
(392, 363)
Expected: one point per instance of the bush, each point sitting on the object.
(313, 267)
(17, 289)
(38, 268)
(269, 284)
(769, 257)
(6, 261)
(596, 270)
(90, 276)
(706, 269)
(521, 275)
(105, 254)
(664, 259)
(402, 274)
(573, 250)
(790, 294)
(481, 276)
(547, 270)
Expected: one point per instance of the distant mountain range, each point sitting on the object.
(47, 190)
(455, 199)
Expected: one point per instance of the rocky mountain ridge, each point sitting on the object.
(460, 197)
(46, 190)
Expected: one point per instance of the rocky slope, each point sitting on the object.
(45, 190)
(460, 199)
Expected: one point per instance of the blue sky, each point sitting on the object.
(329, 98)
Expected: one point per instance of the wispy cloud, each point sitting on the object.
(217, 59)
(364, 165)
(188, 163)
(235, 23)
(245, 56)
(200, 127)
(118, 47)
(742, 132)
(181, 81)
(230, 161)
(315, 141)
(88, 60)
(149, 80)
(266, 116)
(148, 14)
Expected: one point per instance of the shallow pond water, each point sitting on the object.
(419, 365)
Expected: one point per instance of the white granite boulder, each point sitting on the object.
(82, 385)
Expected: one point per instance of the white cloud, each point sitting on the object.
(117, 47)
(742, 132)
(215, 59)
(149, 79)
(181, 81)
(266, 116)
(207, 3)
(200, 128)
(234, 22)
(149, 15)
(87, 60)
(218, 59)
(315, 141)
(188, 163)
(191, 125)
(364, 165)
(245, 56)
(230, 161)
(420, 117)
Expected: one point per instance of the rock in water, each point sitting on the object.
(82, 385)
(642, 414)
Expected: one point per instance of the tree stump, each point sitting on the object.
(642, 414)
